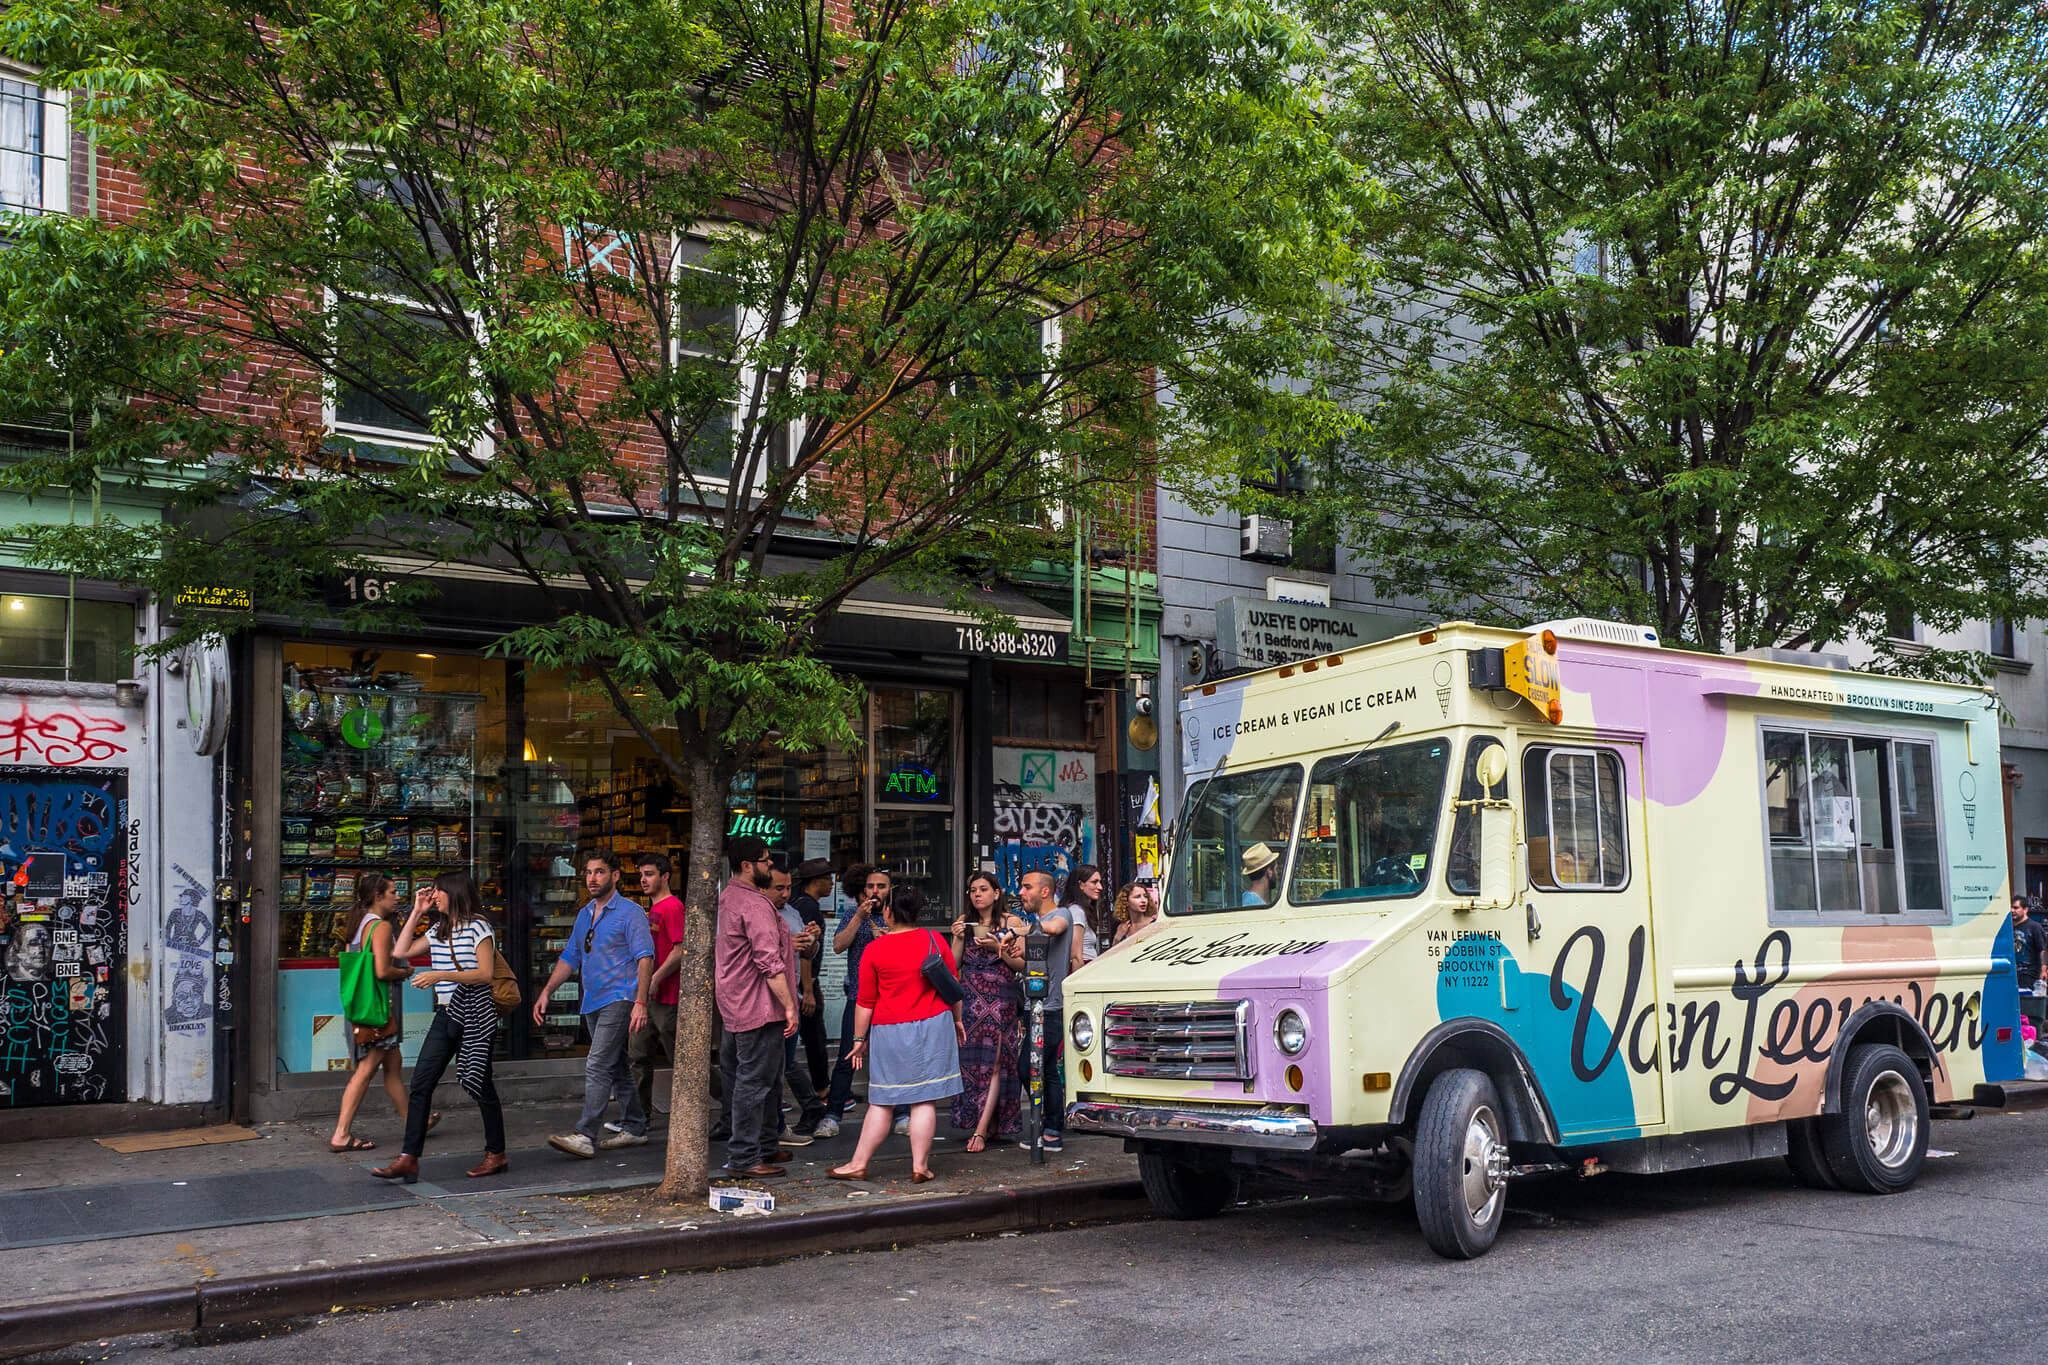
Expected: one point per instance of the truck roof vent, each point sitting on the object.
(1808, 658)
(1607, 632)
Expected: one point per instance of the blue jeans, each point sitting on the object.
(607, 1075)
(841, 1092)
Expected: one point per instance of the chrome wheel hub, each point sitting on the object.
(1891, 1121)
(1485, 1175)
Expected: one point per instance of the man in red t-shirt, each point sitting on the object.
(655, 1045)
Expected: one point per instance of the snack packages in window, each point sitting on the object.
(320, 843)
(449, 841)
(301, 789)
(401, 887)
(297, 837)
(319, 884)
(291, 888)
(376, 838)
(348, 838)
(397, 838)
(344, 889)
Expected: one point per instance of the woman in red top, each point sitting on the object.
(912, 1036)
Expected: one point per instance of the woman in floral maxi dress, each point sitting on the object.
(993, 1012)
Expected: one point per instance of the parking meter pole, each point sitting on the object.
(1037, 986)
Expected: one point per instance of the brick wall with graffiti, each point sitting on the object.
(1045, 819)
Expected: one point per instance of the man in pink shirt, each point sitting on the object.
(655, 1045)
(755, 974)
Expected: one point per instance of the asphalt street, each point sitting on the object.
(1735, 1264)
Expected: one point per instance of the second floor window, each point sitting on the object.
(388, 344)
(711, 325)
(2005, 639)
(34, 145)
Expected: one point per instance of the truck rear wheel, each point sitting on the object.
(1180, 1189)
(1878, 1142)
(1804, 1155)
(1461, 1164)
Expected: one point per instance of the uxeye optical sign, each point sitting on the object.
(910, 782)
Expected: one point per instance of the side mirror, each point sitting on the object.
(1494, 839)
(1496, 854)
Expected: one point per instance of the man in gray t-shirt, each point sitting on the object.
(810, 1108)
(1040, 896)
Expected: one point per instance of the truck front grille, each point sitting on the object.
(1204, 1040)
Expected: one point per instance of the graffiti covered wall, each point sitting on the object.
(1044, 812)
(65, 852)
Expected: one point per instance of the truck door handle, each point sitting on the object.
(1535, 921)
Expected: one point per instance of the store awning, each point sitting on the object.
(880, 615)
(482, 600)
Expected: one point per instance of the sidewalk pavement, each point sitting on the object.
(95, 1243)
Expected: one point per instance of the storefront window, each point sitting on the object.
(912, 743)
(392, 765)
(65, 639)
(409, 763)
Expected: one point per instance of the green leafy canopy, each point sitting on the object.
(1725, 316)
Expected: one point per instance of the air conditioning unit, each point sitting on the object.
(1592, 628)
(50, 424)
(1266, 538)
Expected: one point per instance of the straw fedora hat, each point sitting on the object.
(1258, 858)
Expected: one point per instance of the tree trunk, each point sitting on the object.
(687, 1174)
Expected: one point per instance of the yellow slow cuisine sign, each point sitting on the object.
(1532, 673)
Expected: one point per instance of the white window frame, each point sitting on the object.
(1551, 753)
(56, 154)
(752, 326)
(1851, 732)
(399, 438)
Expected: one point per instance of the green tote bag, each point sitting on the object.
(364, 999)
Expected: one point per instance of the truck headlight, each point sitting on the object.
(1290, 1031)
(1082, 1029)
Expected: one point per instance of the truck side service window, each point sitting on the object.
(1577, 814)
(1234, 821)
(1850, 825)
(1368, 830)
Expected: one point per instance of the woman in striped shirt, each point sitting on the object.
(464, 954)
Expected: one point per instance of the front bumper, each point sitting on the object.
(1269, 1132)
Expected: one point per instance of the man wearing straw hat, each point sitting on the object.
(1261, 875)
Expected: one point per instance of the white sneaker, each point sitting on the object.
(902, 1124)
(575, 1144)
(611, 1127)
(828, 1127)
(621, 1139)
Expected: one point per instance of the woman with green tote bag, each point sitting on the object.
(369, 979)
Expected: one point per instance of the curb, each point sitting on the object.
(530, 1265)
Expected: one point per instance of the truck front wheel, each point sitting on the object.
(1180, 1189)
(1461, 1164)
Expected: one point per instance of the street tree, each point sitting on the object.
(1721, 315)
(607, 294)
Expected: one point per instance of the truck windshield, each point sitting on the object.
(1232, 850)
(1369, 830)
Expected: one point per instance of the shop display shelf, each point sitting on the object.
(385, 860)
(430, 812)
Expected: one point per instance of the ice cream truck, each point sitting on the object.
(1473, 904)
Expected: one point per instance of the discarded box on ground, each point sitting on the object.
(734, 1198)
